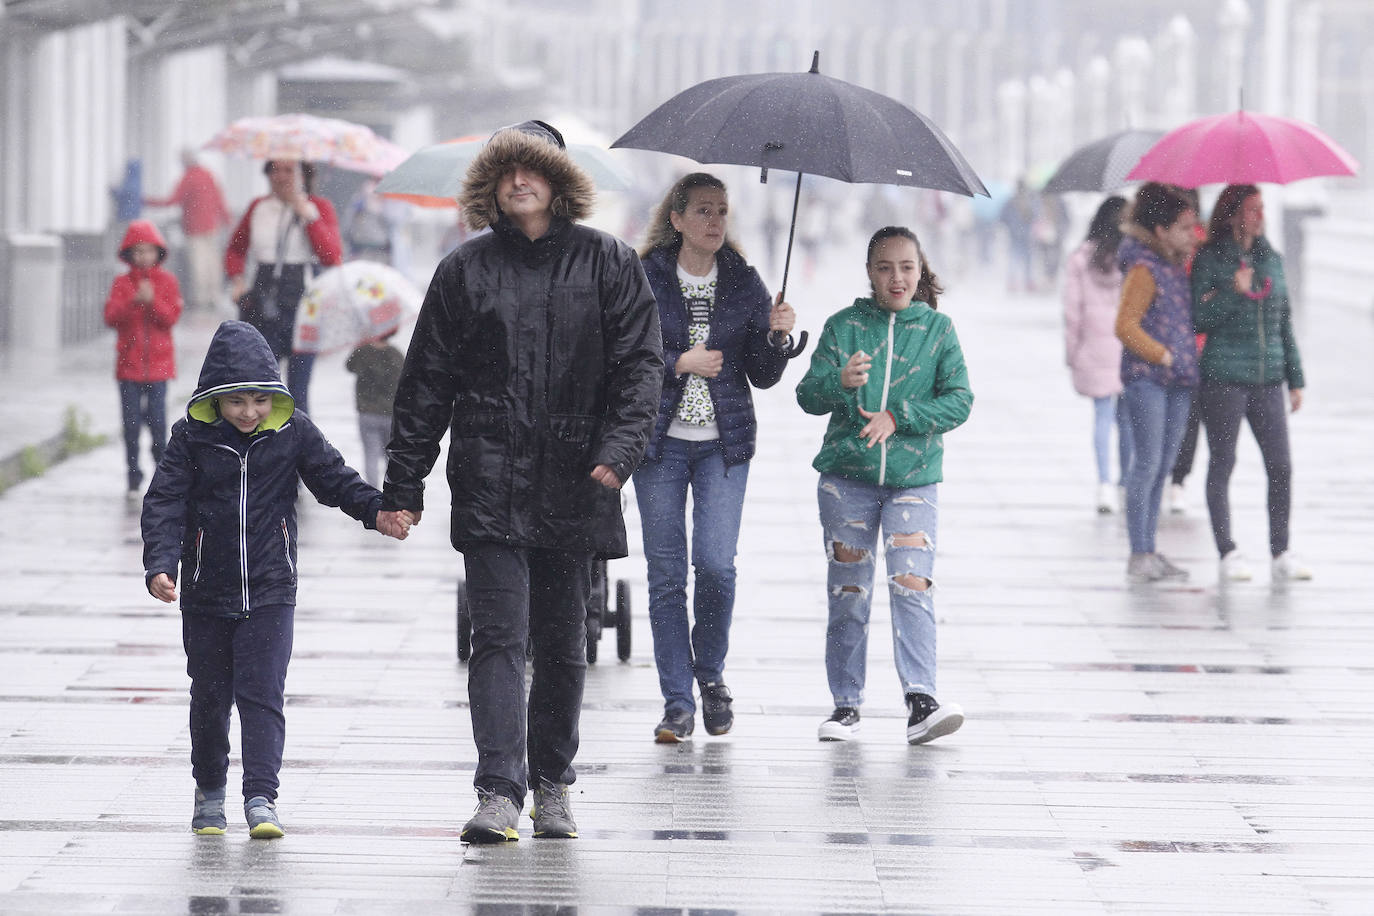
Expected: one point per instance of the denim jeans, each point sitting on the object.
(238, 661)
(1223, 407)
(1158, 417)
(518, 595)
(682, 654)
(143, 404)
(851, 512)
(1110, 412)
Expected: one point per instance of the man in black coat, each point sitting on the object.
(539, 347)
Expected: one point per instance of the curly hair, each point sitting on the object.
(661, 233)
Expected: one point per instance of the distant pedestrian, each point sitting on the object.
(377, 364)
(220, 515)
(722, 333)
(890, 373)
(367, 226)
(1018, 216)
(204, 214)
(538, 349)
(1159, 366)
(143, 305)
(126, 198)
(1241, 303)
(288, 233)
(1091, 293)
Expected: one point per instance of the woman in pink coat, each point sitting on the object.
(1092, 292)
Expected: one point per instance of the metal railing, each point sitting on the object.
(88, 268)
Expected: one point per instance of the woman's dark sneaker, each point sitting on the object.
(842, 725)
(552, 812)
(675, 727)
(207, 818)
(929, 720)
(715, 708)
(261, 815)
(495, 820)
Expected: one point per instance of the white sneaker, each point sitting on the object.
(1233, 568)
(1178, 499)
(1285, 566)
(1106, 499)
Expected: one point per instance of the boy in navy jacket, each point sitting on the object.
(222, 507)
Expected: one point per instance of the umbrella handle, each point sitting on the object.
(794, 351)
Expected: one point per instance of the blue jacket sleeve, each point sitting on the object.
(163, 521)
(763, 362)
(333, 482)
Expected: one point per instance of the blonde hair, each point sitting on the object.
(661, 233)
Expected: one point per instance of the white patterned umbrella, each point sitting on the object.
(307, 138)
(352, 304)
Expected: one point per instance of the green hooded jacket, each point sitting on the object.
(924, 385)
(1249, 339)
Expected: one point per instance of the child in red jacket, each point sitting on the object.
(142, 306)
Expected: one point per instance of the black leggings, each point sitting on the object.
(1222, 407)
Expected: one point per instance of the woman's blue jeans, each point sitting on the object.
(1158, 418)
(851, 513)
(1110, 411)
(684, 653)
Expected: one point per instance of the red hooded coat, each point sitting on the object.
(144, 351)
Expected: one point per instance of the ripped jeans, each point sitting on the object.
(851, 512)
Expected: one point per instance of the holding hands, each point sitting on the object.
(395, 523)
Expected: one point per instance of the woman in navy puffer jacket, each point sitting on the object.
(721, 333)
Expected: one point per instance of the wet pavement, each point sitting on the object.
(1129, 749)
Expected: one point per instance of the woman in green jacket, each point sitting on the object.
(1240, 301)
(889, 372)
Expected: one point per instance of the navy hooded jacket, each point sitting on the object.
(222, 504)
(739, 329)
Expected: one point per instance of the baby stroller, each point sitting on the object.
(600, 615)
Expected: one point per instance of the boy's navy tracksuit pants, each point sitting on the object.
(238, 661)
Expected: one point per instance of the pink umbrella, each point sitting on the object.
(1242, 147)
(302, 137)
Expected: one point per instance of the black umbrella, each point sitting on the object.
(805, 123)
(1103, 164)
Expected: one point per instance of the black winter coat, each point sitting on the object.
(544, 359)
(739, 329)
(222, 504)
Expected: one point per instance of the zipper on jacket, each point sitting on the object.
(200, 541)
(243, 517)
(286, 546)
(1263, 347)
(887, 389)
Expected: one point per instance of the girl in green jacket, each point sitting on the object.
(889, 372)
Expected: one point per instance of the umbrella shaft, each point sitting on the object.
(791, 233)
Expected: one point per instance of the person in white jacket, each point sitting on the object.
(1091, 293)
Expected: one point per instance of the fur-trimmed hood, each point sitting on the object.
(573, 191)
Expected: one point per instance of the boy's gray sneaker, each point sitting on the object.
(1141, 567)
(552, 812)
(1168, 570)
(494, 821)
(261, 815)
(207, 818)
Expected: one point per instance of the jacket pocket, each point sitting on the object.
(286, 549)
(567, 488)
(200, 545)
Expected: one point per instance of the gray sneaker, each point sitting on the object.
(1168, 570)
(207, 818)
(552, 812)
(494, 821)
(261, 815)
(1141, 567)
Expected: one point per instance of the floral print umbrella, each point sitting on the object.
(307, 138)
(352, 304)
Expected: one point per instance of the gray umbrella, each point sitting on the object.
(1103, 164)
(805, 123)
